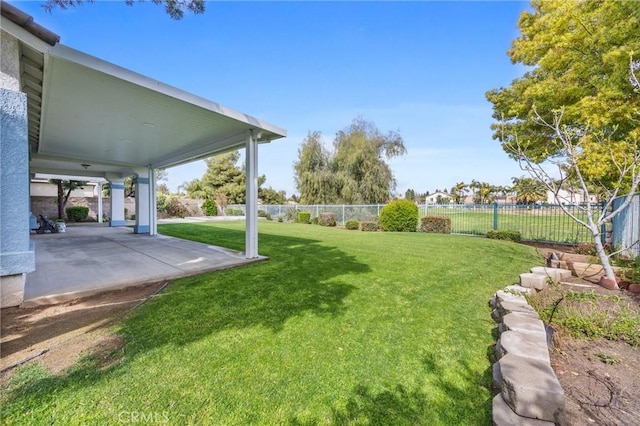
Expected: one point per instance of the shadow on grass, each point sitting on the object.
(450, 401)
(301, 277)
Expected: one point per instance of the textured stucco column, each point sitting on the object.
(251, 231)
(117, 203)
(17, 256)
(142, 205)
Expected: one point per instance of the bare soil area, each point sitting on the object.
(58, 335)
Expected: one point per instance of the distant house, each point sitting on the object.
(564, 197)
(438, 197)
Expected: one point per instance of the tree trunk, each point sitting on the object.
(60, 200)
(602, 255)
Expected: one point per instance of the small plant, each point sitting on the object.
(607, 359)
(234, 212)
(303, 217)
(352, 225)
(436, 224)
(209, 207)
(280, 219)
(504, 234)
(588, 249)
(399, 216)
(327, 219)
(369, 226)
(291, 215)
(77, 213)
(632, 273)
(314, 220)
(262, 213)
(132, 217)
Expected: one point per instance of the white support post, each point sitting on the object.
(251, 232)
(117, 202)
(100, 202)
(153, 202)
(143, 210)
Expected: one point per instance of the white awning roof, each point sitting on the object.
(89, 117)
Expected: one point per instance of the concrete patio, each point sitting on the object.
(88, 259)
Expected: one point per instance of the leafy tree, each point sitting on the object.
(362, 174)
(576, 108)
(64, 191)
(355, 173)
(313, 176)
(194, 189)
(528, 190)
(410, 195)
(271, 196)
(579, 53)
(174, 8)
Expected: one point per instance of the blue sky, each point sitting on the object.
(420, 68)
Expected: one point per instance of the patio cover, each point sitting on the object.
(89, 117)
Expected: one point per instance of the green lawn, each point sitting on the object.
(337, 327)
(534, 224)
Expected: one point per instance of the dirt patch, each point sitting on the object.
(600, 381)
(58, 335)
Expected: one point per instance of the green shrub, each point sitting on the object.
(399, 216)
(77, 213)
(162, 201)
(314, 220)
(209, 208)
(588, 249)
(234, 212)
(369, 226)
(304, 217)
(435, 224)
(280, 219)
(505, 234)
(352, 225)
(262, 213)
(132, 217)
(327, 219)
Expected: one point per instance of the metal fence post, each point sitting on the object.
(495, 216)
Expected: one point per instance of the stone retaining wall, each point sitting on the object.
(529, 391)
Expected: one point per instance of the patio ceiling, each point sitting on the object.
(90, 117)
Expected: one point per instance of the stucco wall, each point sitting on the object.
(48, 206)
(16, 253)
(9, 62)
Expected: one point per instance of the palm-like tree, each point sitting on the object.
(528, 190)
(458, 192)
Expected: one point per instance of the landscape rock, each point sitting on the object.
(634, 288)
(528, 345)
(518, 289)
(516, 321)
(608, 283)
(531, 388)
(556, 274)
(531, 280)
(503, 415)
(506, 308)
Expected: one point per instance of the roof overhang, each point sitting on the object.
(91, 117)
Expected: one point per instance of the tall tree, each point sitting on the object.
(579, 53)
(174, 8)
(529, 190)
(64, 192)
(576, 108)
(312, 172)
(361, 152)
(410, 195)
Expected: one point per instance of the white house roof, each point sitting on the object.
(91, 117)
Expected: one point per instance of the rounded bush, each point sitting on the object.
(352, 225)
(77, 213)
(304, 217)
(399, 216)
(209, 208)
